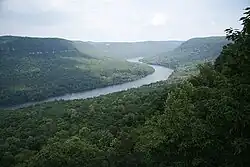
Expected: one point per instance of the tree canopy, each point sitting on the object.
(203, 121)
(34, 69)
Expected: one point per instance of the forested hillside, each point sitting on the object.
(195, 50)
(204, 121)
(185, 58)
(33, 69)
(135, 49)
(90, 49)
(17, 46)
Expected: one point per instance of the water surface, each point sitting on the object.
(161, 73)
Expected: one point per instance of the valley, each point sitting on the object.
(34, 69)
(160, 74)
(126, 104)
(125, 50)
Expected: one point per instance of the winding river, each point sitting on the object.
(161, 73)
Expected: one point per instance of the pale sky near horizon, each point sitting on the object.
(120, 20)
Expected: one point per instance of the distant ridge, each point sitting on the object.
(195, 49)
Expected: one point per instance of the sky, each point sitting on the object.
(120, 20)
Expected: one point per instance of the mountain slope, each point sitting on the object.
(197, 123)
(194, 50)
(17, 46)
(33, 69)
(90, 49)
(135, 49)
(204, 122)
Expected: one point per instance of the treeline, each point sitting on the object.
(21, 45)
(204, 121)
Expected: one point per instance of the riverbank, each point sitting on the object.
(161, 73)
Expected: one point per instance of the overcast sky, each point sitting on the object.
(120, 20)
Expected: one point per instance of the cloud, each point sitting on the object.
(108, 1)
(213, 23)
(159, 19)
(38, 12)
(118, 20)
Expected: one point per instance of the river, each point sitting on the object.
(161, 73)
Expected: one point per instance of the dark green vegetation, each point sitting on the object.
(183, 73)
(130, 49)
(33, 69)
(193, 51)
(204, 121)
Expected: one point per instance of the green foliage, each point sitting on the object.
(203, 121)
(185, 58)
(89, 132)
(206, 120)
(33, 69)
(234, 59)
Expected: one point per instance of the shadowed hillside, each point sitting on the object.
(33, 69)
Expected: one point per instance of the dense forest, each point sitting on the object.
(204, 121)
(33, 69)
